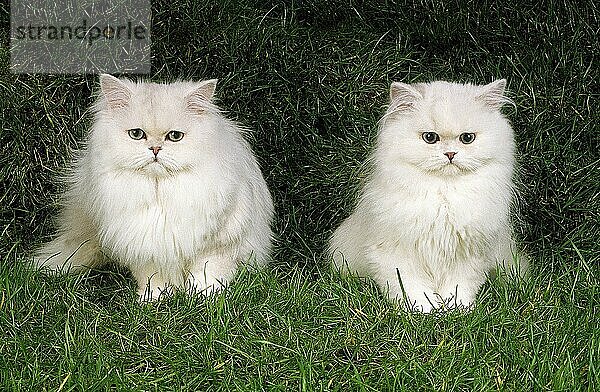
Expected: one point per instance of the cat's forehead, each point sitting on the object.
(442, 89)
(449, 107)
(450, 115)
(157, 106)
(158, 95)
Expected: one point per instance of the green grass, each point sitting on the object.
(311, 80)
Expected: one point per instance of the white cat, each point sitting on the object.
(433, 219)
(167, 187)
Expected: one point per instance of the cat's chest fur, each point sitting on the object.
(445, 221)
(164, 220)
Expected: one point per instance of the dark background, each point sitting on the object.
(311, 80)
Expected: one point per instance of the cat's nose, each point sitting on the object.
(155, 150)
(450, 155)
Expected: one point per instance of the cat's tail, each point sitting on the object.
(513, 262)
(345, 248)
(518, 267)
(64, 254)
(74, 248)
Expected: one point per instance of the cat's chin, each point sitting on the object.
(450, 169)
(156, 170)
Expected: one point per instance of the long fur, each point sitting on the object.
(188, 220)
(426, 229)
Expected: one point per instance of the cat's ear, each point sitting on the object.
(403, 97)
(200, 99)
(116, 92)
(493, 94)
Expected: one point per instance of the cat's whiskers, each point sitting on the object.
(444, 167)
(472, 164)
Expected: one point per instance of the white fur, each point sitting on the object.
(441, 226)
(188, 219)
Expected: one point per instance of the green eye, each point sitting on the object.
(175, 136)
(430, 137)
(136, 134)
(467, 137)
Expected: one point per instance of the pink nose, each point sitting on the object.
(450, 155)
(155, 150)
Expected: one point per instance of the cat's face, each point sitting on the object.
(153, 129)
(446, 128)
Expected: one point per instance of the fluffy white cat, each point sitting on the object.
(167, 187)
(433, 220)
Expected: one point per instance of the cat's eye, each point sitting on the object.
(175, 136)
(136, 134)
(467, 137)
(430, 137)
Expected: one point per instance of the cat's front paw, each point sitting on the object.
(419, 306)
(433, 301)
(424, 303)
(150, 293)
(201, 283)
(427, 302)
(151, 286)
(413, 297)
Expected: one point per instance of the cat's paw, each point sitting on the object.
(419, 306)
(424, 303)
(412, 303)
(201, 283)
(150, 293)
(152, 287)
(413, 297)
(435, 302)
(428, 302)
